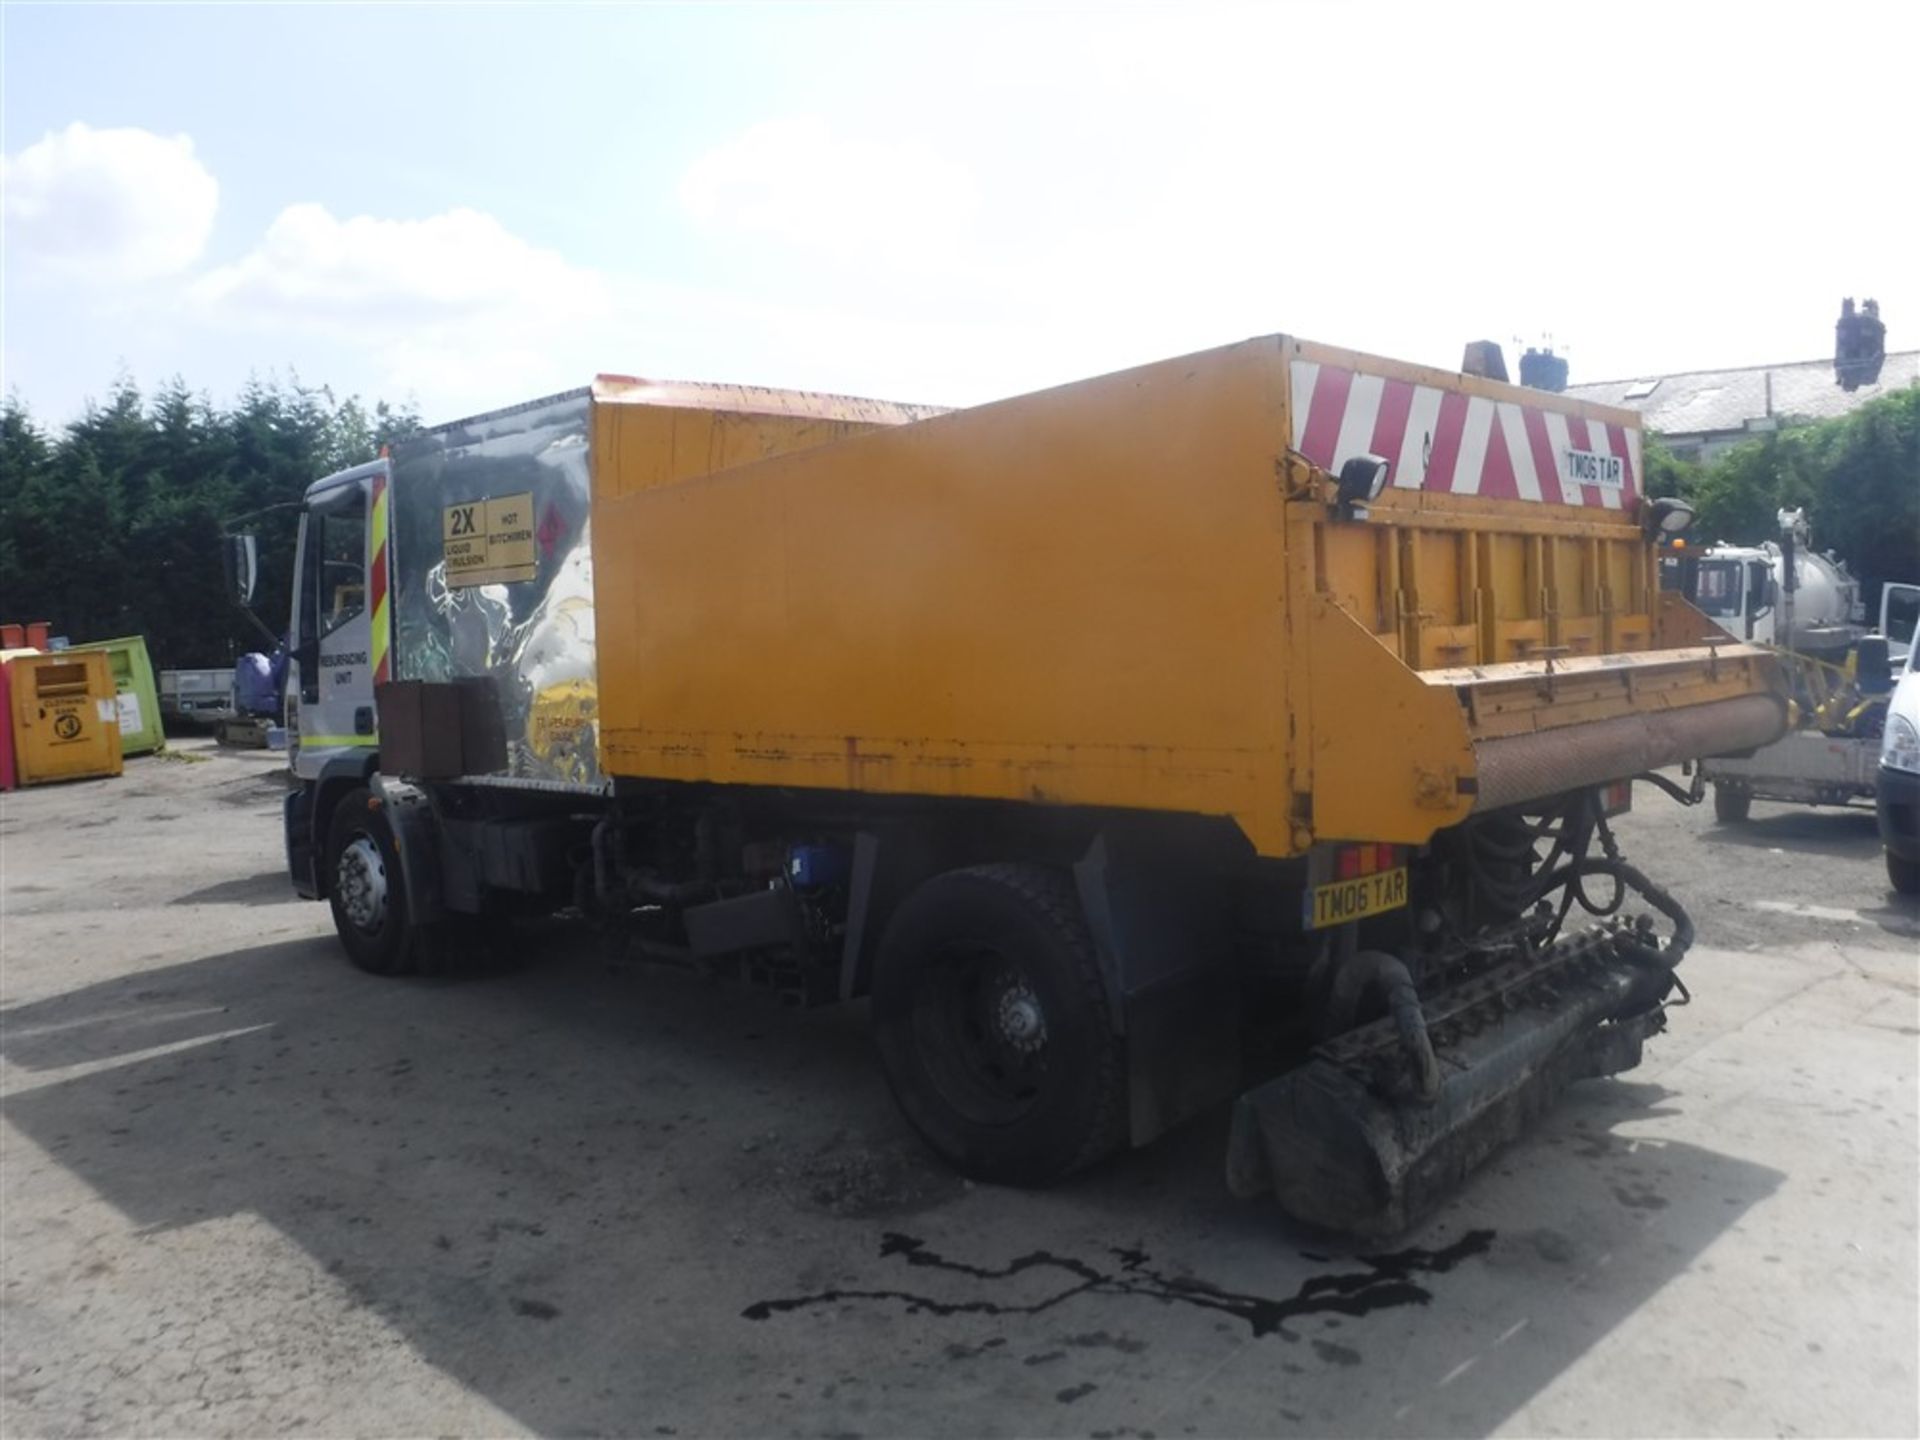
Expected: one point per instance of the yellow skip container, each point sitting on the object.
(66, 720)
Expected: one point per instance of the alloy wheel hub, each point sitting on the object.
(1022, 1022)
(362, 883)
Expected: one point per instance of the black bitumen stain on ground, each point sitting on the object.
(1075, 1392)
(1336, 1354)
(973, 1352)
(1101, 1340)
(536, 1309)
(1383, 1282)
(1640, 1199)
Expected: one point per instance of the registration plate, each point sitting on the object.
(1591, 467)
(1356, 899)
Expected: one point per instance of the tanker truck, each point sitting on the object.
(1781, 593)
(1242, 729)
(1838, 672)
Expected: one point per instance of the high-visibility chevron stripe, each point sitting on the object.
(377, 583)
(1444, 440)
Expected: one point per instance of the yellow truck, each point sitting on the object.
(1238, 728)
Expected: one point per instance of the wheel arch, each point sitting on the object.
(1157, 893)
(1022, 921)
(415, 830)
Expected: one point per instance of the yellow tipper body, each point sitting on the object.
(1136, 591)
(651, 432)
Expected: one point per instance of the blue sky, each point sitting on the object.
(467, 206)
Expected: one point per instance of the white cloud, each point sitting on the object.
(109, 206)
(793, 179)
(461, 267)
(461, 314)
(448, 305)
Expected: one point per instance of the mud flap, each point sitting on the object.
(1341, 1149)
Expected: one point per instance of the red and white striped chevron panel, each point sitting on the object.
(1442, 440)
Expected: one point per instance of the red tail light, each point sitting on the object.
(1354, 861)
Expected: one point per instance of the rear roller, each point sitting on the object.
(1360, 1139)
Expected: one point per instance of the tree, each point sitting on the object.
(1857, 476)
(26, 458)
(114, 527)
(82, 577)
(1667, 473)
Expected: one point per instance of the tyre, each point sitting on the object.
(364, 886)
(1730, 805)
(1903, 875)
(993, 1025)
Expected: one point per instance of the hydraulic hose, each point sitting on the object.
(1386, 975)
(1685, 797)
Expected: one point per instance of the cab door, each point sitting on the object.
(1900, 623)
(1762, 598)
(330, 670)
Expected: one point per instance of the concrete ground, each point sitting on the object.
(249, 1190)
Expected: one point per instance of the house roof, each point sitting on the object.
(1705, 402)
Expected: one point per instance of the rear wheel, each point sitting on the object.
(1731, 804)
(364, 886)
(993, 1025)
(1903, 875)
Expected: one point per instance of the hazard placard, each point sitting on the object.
(489, 542)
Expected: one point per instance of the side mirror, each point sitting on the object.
(243, 567)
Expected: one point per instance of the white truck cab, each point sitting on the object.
(1734, 587)
(1744, 590)
(334, 658)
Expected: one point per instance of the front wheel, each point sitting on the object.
(1903, 874)
(364, 886)
(1731, 805)
(994, 1028)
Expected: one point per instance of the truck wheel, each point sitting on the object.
(1903, 875)
(1730, 805)
(993, 1025)
(363, 885)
